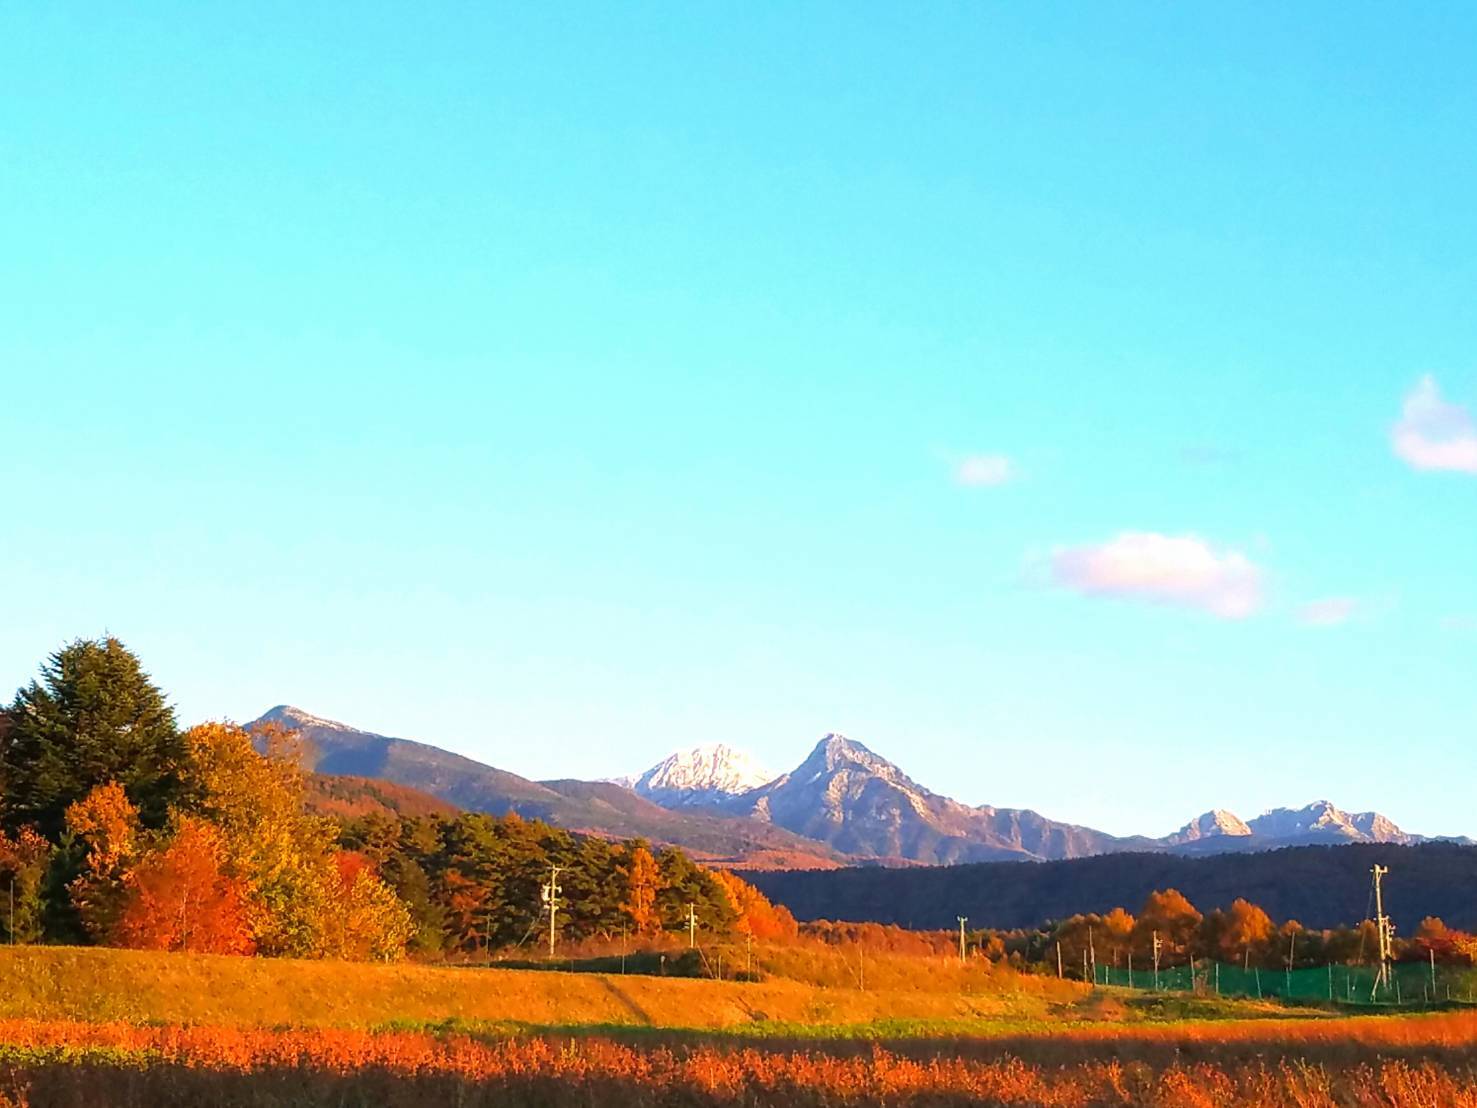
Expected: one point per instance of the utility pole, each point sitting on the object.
(962, 921)
(1092, 955)
(1292, 940)
(1386, 931)
(1157, 945)
(1059, 959)
(691, 925)
(550, 894)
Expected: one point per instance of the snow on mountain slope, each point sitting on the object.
(1215, 823)
(1321, 820)
(705, 774)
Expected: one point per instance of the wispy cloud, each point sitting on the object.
(980, 470)
(1432, 434)
(1163, 569)
(1328, 612)
(1462, 621)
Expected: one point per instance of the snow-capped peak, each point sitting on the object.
(703, 775)
(1215, 822)
(296, 718)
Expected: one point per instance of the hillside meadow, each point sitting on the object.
(80, 983)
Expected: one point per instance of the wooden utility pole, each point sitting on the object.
(1386, 931)
(1059, 959)
(691, 926)
(962, 921)
(550, 895)
(1156, 961)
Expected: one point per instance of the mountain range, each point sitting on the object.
(843, 804)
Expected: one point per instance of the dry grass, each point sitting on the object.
(65, 1064)
(137, 986)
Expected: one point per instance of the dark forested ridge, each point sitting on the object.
(1321, 886)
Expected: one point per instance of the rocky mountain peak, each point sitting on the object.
(705, 774)
(1214, 823)
(836, 751)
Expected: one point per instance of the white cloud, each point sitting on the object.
(1163, 569)
(1329, 612)
(984, 470)
(1432, 434)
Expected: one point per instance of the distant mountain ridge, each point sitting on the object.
(844, 804)
(845, 795)
(338, 749)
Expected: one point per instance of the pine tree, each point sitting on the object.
(93, 717)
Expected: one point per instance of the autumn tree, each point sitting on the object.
(24, 860)
(180, 898)
(92, 717)
(643, 883)
(1241, 933)
(756, 915)
(105, 826)
(1173, 918)
(368, 921)
(1118, 934)
(293, 886)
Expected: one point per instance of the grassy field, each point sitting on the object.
(118, 985)
(87, 1026)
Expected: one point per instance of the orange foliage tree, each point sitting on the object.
(643, 883)
(1169, 914)
(179, 898)
(1241, 933)
(756, 915)
(1117, 934)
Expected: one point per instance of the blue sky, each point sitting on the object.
(1071, 402)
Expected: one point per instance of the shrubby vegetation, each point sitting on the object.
(119, 828)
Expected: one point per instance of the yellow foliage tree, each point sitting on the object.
(106, 823)
(643, 883)
(296, 902)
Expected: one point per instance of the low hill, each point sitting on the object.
(1321, 886)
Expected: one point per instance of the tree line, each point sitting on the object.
(1243, 933)
(119, 827)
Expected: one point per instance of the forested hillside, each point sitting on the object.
(120, 828)
(1322, 886)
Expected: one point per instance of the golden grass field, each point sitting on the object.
(90, 1026)
(122, 985)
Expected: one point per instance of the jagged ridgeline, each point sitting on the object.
(119, 827)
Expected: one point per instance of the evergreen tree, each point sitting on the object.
(93, 717)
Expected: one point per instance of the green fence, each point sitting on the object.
(1407, 982)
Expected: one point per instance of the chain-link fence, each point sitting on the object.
(1403, 983)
